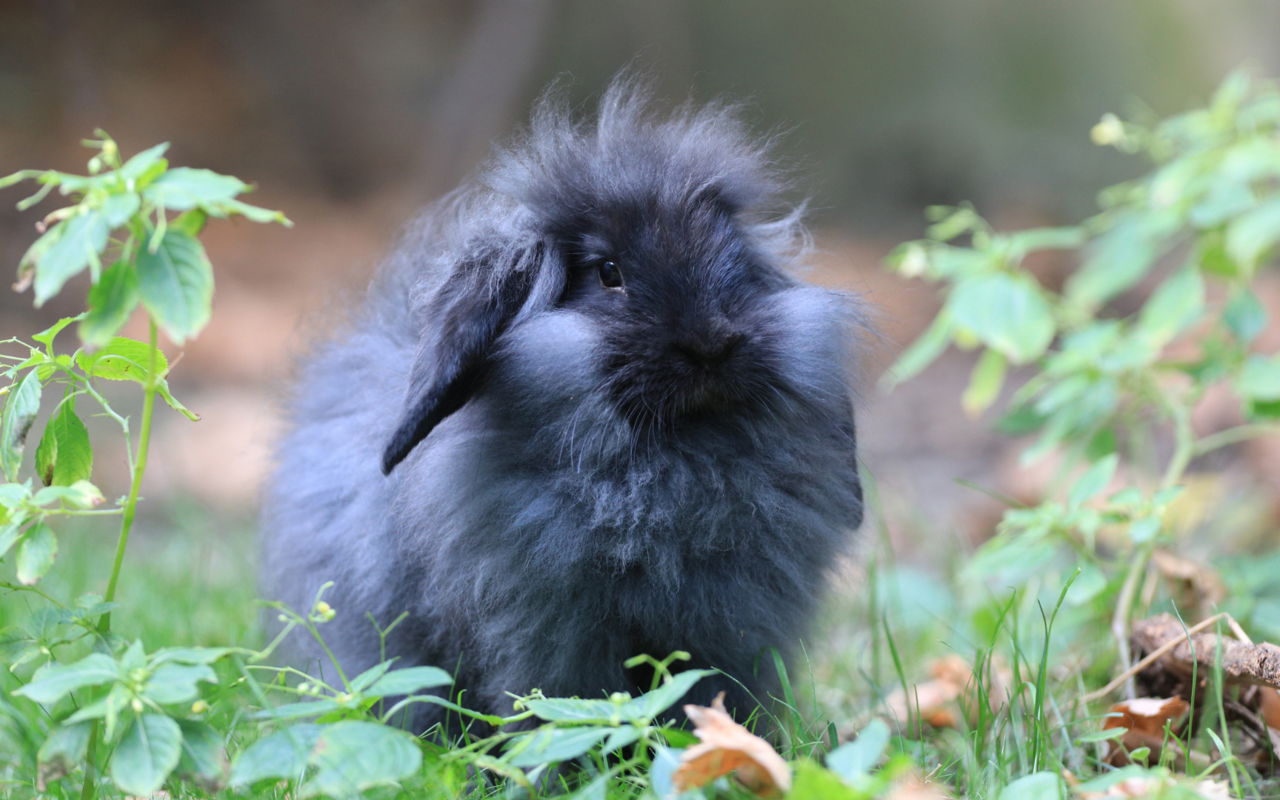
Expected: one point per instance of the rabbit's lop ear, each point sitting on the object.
(471, 310)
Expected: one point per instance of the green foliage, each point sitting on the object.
(1101, 387)
(1161, 310)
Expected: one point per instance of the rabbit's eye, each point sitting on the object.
(610, 275)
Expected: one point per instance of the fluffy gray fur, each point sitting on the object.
(666, 465)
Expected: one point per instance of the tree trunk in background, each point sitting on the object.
(478, 101)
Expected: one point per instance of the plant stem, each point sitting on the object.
(140, 467)
(1231, 436)
(86, 790)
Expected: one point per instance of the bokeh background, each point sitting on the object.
(351, 114)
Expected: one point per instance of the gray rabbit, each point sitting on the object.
(585, 413)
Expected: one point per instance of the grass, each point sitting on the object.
(190, 578)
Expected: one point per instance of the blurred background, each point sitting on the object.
(349, 115)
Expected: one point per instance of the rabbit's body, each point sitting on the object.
(663, 464)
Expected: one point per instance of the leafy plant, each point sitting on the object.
(141, 219)
(1109, 393)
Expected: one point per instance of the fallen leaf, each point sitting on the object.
(1144, 721)
(940, 701)
(728, 747)
(1269, 706)
(916, 788)
(1203, 589)
(1140, 786)
(1210, 789)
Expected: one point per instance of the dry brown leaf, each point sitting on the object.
(1203, 588)
(1269, 706)
(1143, 786)
(1151, 786)
(916, 788)
(940, 701)
(728, 747)
(1145, 720)
(1213, 790)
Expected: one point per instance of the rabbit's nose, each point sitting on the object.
(711, 347)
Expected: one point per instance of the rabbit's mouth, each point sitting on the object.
(692, 393)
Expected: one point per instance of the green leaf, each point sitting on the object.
(812, 782)
(303, 710)
(1104, 735)
(84, 236)
(350, 757)
(148, 751)
(204, 759)
(1094, 481)
(1117, 260)
(122, 359)
(184, 188)
(665, 762)
(176, 283)
(1144, 529)
(282, 754)
(1037, 786)
(111, 301)
(1245, 315)
(62, 752)
(9, 533)
(566, 709)
(251, 213)
(1260, 378)
(64, 455)
(622, 737)
(20, 409)
(14, 495)
(555, 745)
(107, 708)
(119, 208)
(188, 655)
(27, 264)
(408, 681)
(984, 383)
(855, 759)
(143, 163)
(54, 681)
(177, 683)
(922, 352)
(36, 553)
(80, 494)
(190, 222)
(365, 679)
(1177, 303)
(649, 705)
(46, 336)
(1007, 312)
(1262, 409)
(1252, 234)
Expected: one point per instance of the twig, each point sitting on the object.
(1151, 658)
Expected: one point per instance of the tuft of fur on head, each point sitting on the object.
(588, 412)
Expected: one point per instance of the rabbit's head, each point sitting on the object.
(652, 250)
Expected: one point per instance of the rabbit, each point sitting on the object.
(587, 411)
